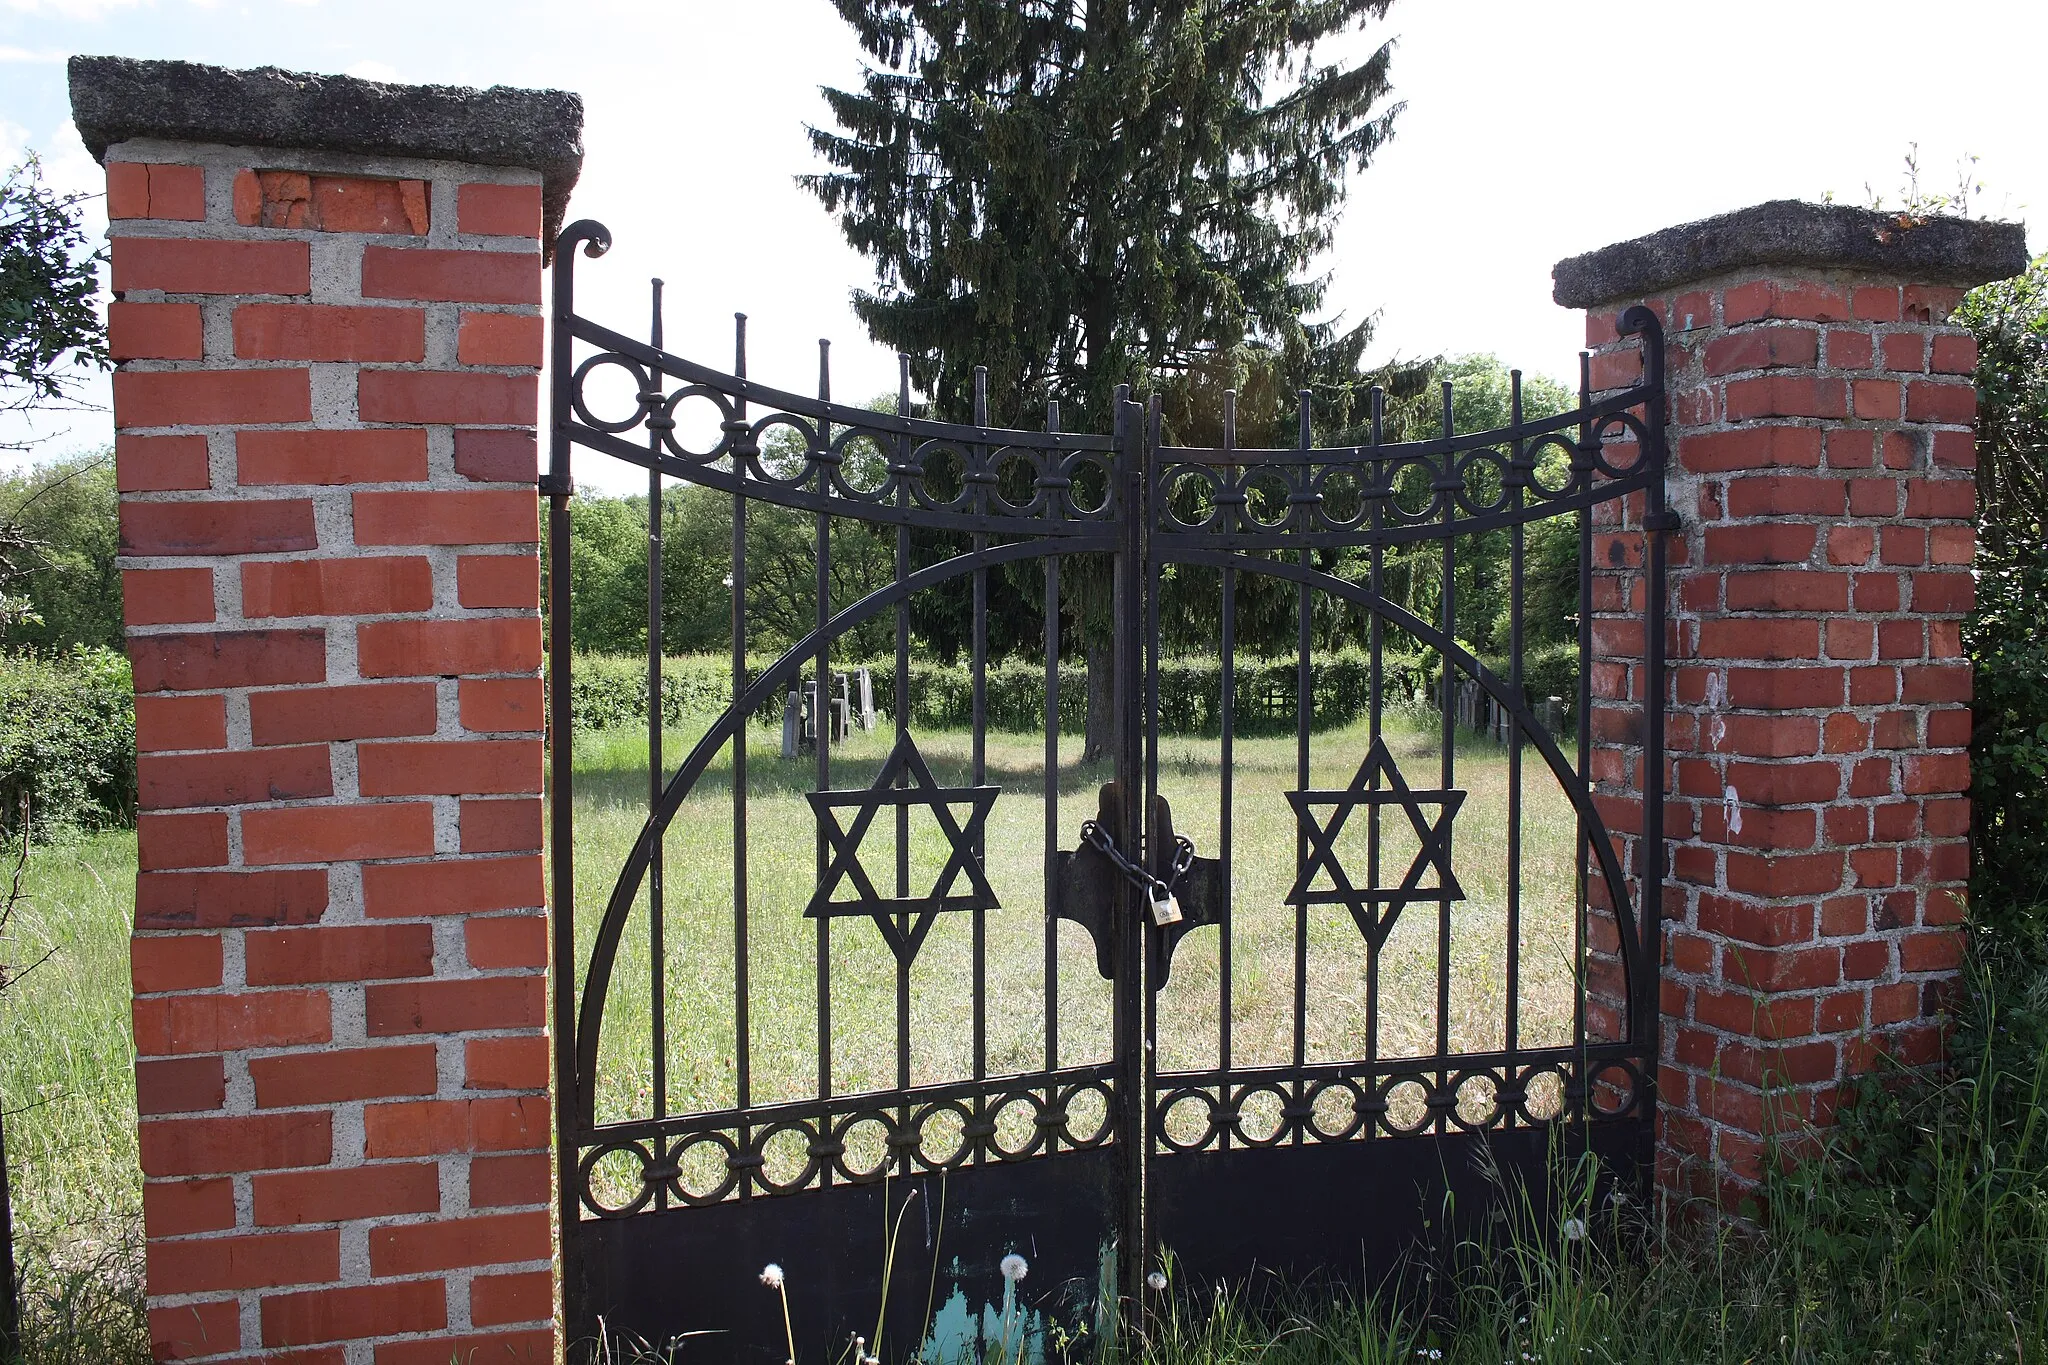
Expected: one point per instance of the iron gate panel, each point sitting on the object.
(1089, 1163)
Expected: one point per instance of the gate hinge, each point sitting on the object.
(1665, 520)
(551, 485)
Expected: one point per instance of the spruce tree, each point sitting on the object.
(1079, 194)
(1083, 193)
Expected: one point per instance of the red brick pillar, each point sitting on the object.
(327, 316)
(1820, 410)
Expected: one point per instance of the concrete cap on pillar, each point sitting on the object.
(114, 99)
(1790, 233)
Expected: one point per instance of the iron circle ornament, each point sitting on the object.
(1194, 483)
(1069, 1099)
(1208, 1115)
(1339, 487)
(929, 462)
(671, 405)
(1344, 1090)
(1618, 424)
(933, 1116)
(1007, 1103)
(762, 1146)
(722, 1147)
(1277, 1113)
(1470, 1081)
(642, 387)
(1016, 464)
(1395, 1099)
(805, 432)
(587, 1178)
(1474, 463)
(847, 1132)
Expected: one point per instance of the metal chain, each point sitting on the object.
(1096, 837)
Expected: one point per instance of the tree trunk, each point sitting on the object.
(1101, 727)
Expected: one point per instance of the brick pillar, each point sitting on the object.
(1820, 410)
(327, 316)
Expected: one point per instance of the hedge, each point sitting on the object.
(609, 690)
(67, 741)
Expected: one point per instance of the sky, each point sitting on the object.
(1531, 132)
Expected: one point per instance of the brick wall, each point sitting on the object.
(325, 412)
(1822, 462)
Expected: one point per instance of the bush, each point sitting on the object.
(2009, 742)
(67, 741)
(608, 690)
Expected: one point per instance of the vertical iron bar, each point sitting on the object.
(824, 774)
(657, 948)
(1449, 485)
(1155, 850)
(1377, 494)
(1304, 710)
(1134, 1065)
(1582, 463)
(1227, 827)
(561, 759)
(979, 652)
(1657, 520)
(902, 733)
(1517, 472)
(1052, 772)
(743, 1041)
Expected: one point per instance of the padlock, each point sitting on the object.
(1165, 909)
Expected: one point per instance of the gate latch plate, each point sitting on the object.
(1091, 888)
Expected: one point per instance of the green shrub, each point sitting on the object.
(608, 690)
(67, 741)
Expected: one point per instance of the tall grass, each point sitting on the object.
(1917, 1232)
(67, 1083)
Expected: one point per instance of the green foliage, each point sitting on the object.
(608, 573)
(59, 536)
(610, 690)
(2010, 321)
(67, 741)
(50, 328)
(2009, 746)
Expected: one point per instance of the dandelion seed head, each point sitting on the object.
(1156, 1281)
(1015, 1267)
(771, 1275)
(1574, 1229)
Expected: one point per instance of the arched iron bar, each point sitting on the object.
(1424, 526)
(1571, 783)
(1251, 457)
(625, 892)
(787, 495)
(840, 414)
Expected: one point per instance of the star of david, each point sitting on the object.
(903, 920)
(1375, 907)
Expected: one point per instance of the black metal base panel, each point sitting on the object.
(695, 1273)
(1363, 1213)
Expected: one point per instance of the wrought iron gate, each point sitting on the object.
(932, 1013)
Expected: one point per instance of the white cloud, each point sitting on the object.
(22, 54)
(373, 71)
(71, 9)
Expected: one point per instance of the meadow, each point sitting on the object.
(783, 956)
(1918, 1233)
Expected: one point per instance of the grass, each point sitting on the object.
(1917, 1233)
(782, 988)
(67, 1082)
